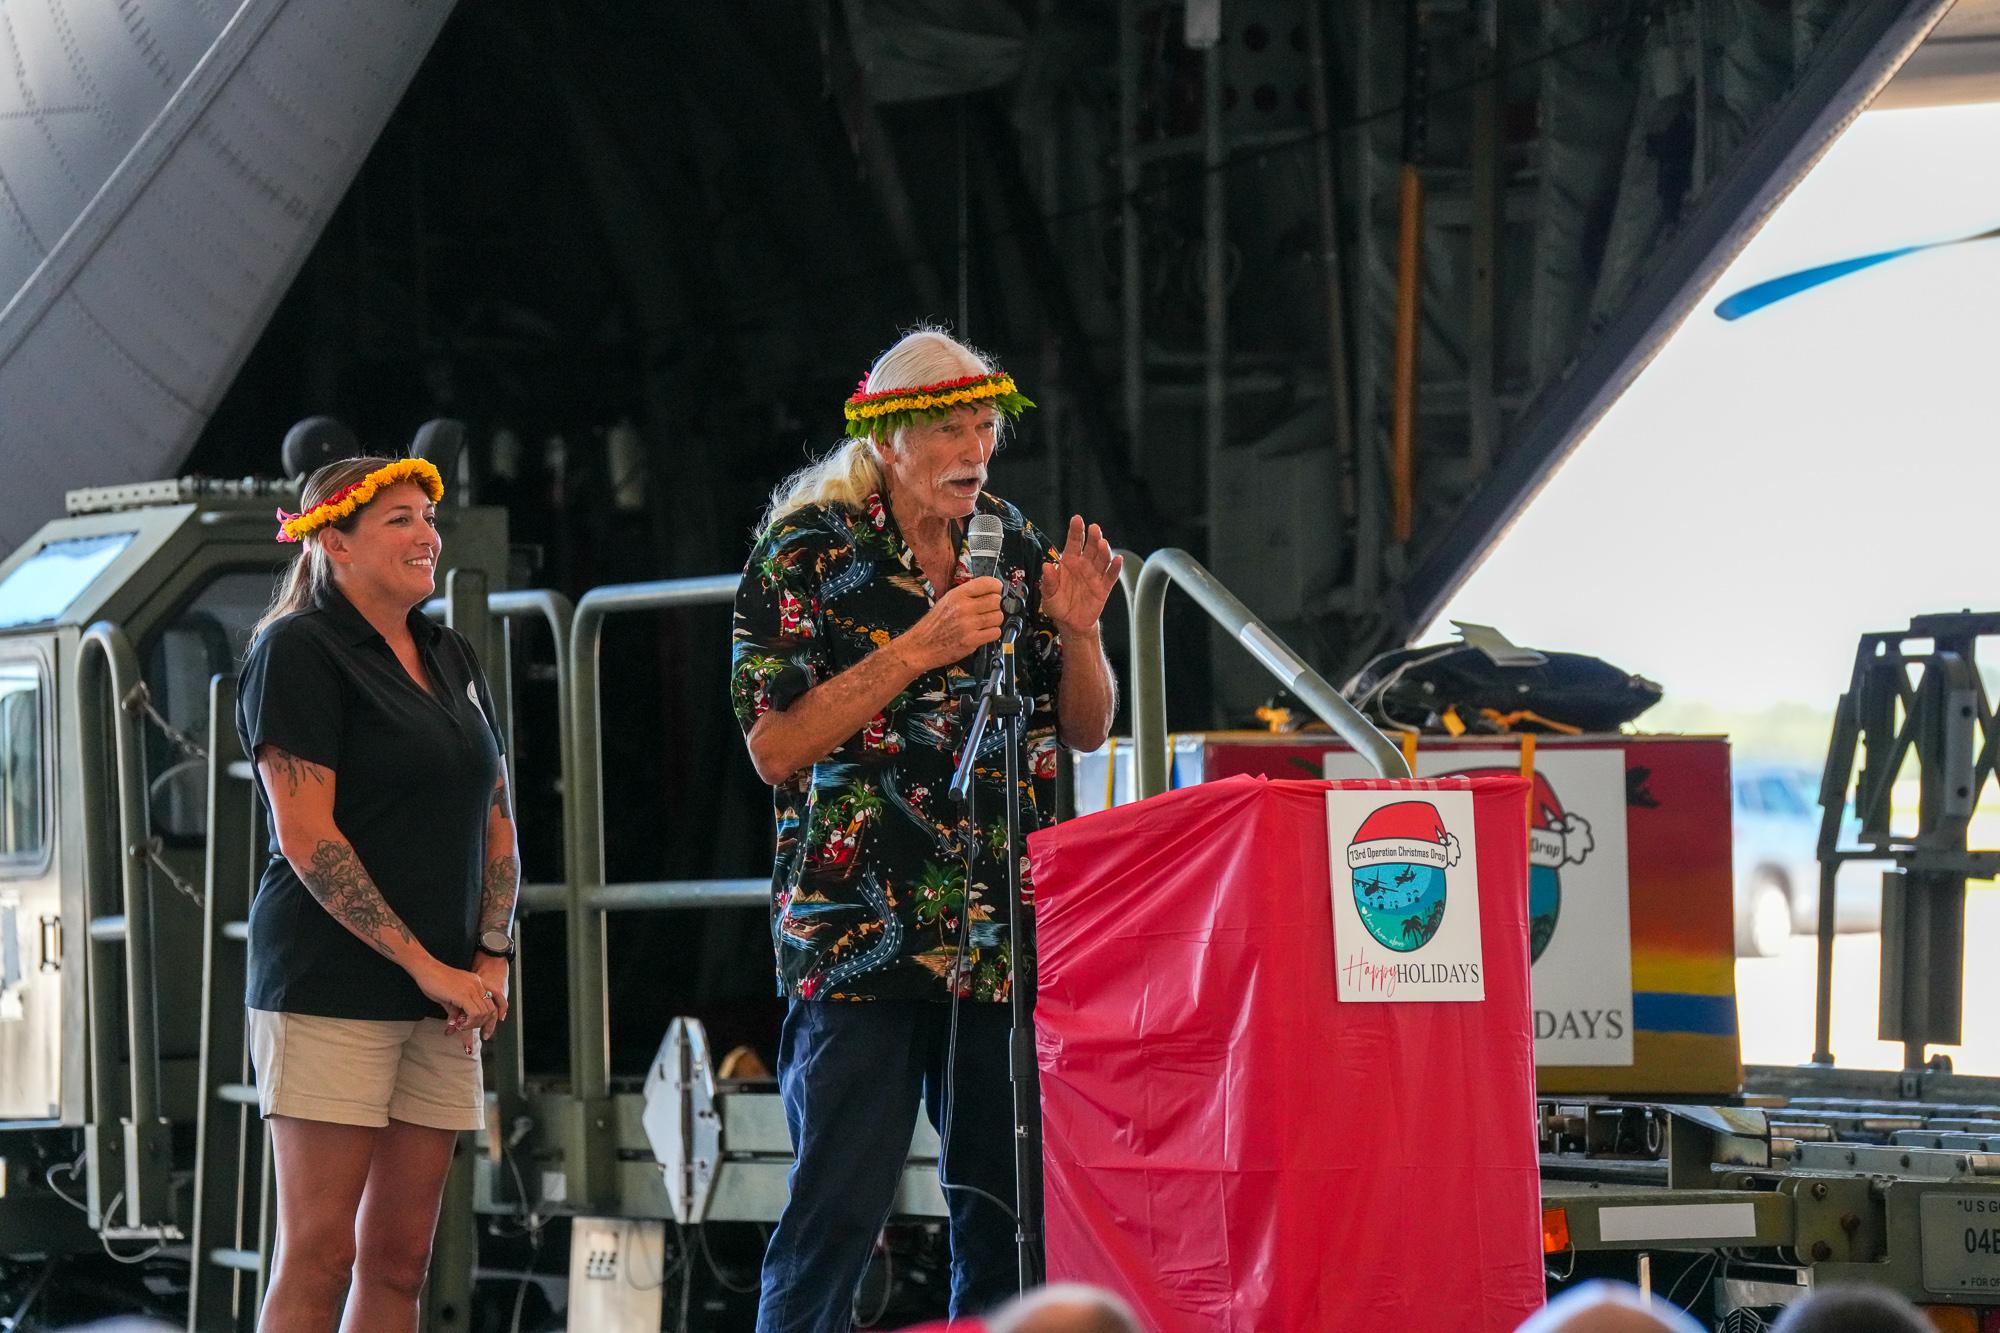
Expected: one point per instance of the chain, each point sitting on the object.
(141, 698)
(151, 850)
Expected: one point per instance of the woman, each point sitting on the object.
(379, 936)
(855, 625)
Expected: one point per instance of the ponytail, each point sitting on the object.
(301, 579)
(846, 477)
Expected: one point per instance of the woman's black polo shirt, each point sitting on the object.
(413, 786)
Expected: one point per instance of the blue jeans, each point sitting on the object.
(851, 1075)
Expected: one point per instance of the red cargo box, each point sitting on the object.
(1632, 915)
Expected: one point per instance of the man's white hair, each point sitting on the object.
(850, 473)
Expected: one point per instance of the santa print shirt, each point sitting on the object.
(866, 890)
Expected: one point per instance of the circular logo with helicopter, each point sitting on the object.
(1398, 857)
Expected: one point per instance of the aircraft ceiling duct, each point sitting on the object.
(165, 167)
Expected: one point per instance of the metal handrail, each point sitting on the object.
(662, 895)
(557, 612)
(105, 650)
(589, 1017)
(1149, 671)
(106, 640)
(1128, 579)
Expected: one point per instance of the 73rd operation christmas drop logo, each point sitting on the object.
(1398, 858)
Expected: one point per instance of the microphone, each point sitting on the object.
(982, 560)
(982, 546)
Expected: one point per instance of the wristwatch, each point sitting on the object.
(498, 943)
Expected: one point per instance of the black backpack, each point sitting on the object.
(1459, 688)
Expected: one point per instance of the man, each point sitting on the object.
(856, 624)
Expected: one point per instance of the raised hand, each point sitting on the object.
(960, 621)
(1075, 586)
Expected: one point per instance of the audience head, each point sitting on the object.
(1064, 1307)
(1851, 1309)
(1608, 1307)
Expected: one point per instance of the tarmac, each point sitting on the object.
(1774, 999)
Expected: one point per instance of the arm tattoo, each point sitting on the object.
(500, 806)
(294, 769)
(337, 879)
(496, 895)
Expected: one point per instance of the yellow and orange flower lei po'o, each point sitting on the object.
(295, 527)
(886, 412)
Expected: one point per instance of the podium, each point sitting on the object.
(1230, 1146)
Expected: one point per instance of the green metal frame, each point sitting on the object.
(486, 618)
(136, 1142)
(227, 1239)
(589, 1152)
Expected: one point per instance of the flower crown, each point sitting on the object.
(295, 527)
(890, 410)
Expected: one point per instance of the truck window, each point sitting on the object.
(42, 586)
(1782, 797)
(22, 779)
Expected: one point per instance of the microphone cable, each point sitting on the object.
(948, 1095)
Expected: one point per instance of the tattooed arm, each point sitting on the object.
(503, 862)
(301, 797)
(496, 895)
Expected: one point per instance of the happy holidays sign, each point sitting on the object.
(1405, 896)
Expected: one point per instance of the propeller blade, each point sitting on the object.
(1773, 290)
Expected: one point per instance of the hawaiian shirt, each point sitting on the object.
(870, 879)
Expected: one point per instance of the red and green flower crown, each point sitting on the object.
(884, 413)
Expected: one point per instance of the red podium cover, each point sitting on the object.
(1229, 1147)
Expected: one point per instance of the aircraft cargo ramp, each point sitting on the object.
(165, 168)
(1411, 255)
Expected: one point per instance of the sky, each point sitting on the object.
(1772, 487)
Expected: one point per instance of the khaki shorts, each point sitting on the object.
(361, 1071)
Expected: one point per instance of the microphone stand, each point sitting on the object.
(999, 698)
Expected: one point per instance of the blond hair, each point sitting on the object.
(310, 574)
(850, 474)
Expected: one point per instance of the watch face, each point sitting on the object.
(495, 941)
